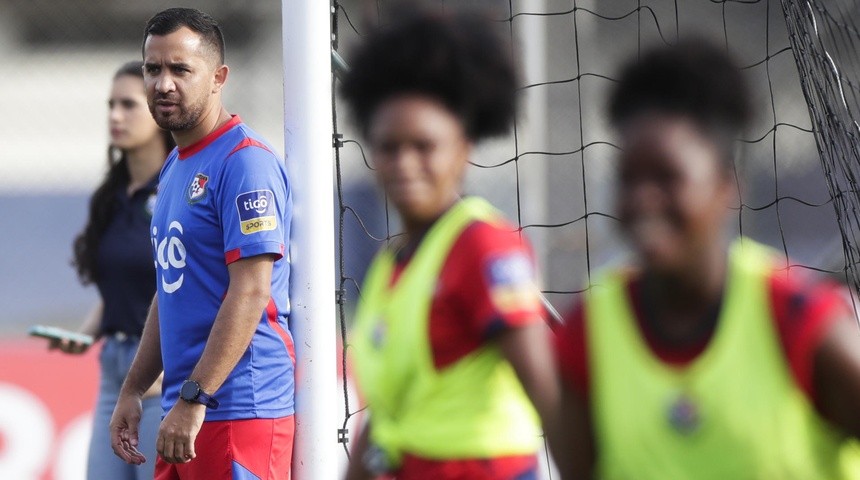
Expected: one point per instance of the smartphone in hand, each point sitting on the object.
(59, 334)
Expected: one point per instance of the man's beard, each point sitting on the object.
(181, 120)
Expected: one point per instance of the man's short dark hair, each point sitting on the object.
(168, 21)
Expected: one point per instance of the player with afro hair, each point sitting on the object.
(450, 347)
(704, 359)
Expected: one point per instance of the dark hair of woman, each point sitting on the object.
(456, 59)
(695, 79)
(103, 202)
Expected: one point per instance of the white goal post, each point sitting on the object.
(308, 155)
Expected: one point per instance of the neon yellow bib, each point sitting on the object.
(475, 408)
(734, 413)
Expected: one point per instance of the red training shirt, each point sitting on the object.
(803, 311)
(487, 285)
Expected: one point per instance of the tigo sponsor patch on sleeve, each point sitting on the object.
(257, 211)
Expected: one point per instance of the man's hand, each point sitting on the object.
(123, 429)
(179, 430)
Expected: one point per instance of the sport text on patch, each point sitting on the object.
(256, 211)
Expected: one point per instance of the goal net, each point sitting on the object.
(797, 167)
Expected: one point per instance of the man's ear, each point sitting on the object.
(220, 78)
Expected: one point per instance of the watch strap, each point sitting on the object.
(207, 400)
(201, 397)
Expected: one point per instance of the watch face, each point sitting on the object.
(189, 391)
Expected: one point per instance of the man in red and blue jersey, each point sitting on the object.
(218, 324)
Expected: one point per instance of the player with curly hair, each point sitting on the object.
(450, 348)
(706, 359)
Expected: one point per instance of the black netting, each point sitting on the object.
(553, 176)
(824, 39)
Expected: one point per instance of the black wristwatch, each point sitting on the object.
(192, 393)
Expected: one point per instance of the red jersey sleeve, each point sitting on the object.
(504, 290)
(488, 284)
(804, 310)
(571, 350)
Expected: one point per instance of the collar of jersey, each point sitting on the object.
(204, 142)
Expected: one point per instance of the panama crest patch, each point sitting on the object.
(197, 190)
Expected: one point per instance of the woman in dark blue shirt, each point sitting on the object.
(114, 252)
